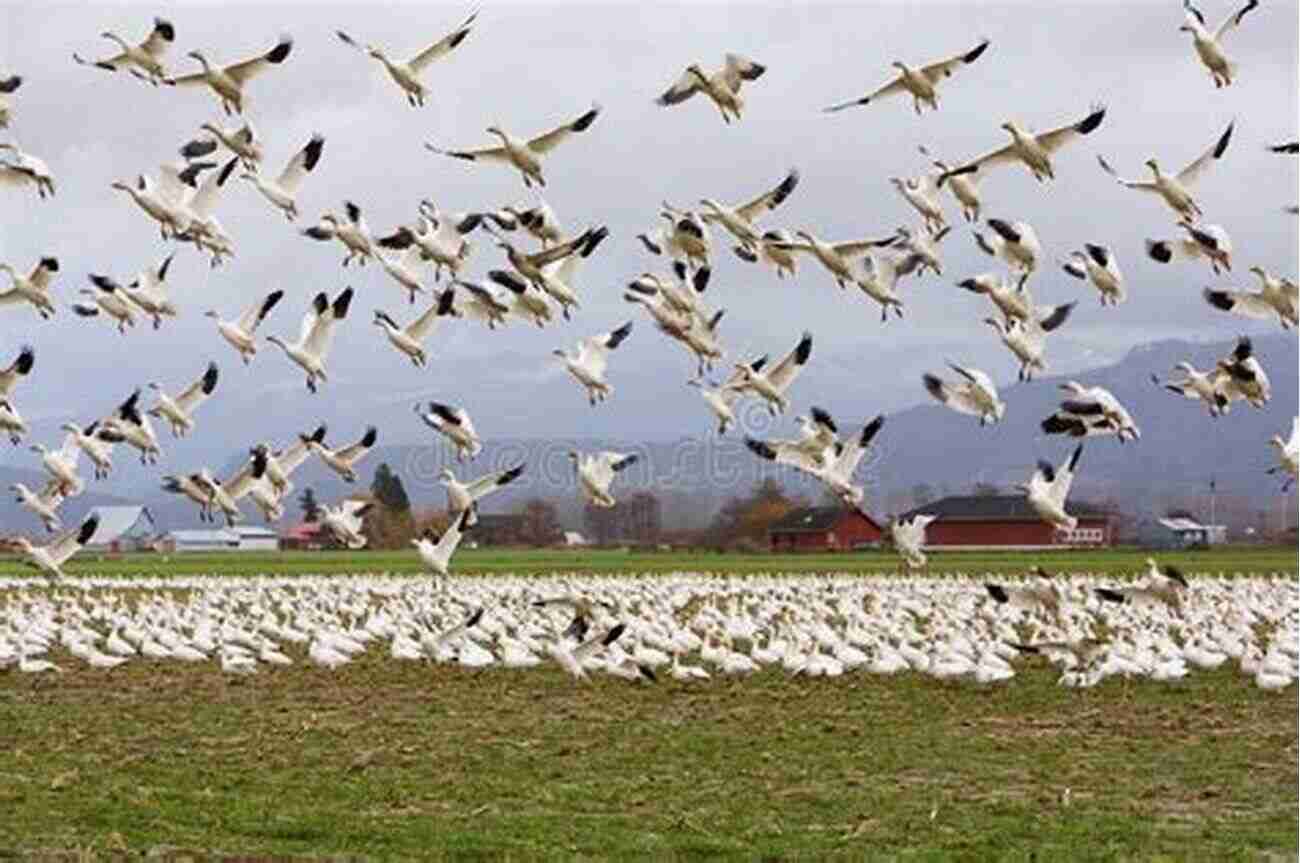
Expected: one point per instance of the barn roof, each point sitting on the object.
(1002, 507)
(114, 521)
(813, 519)
(217, 535)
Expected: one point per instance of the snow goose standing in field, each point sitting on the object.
(739, 221)
(527, 301)
(12, 422)
(1048, 488)
(344, 522)
(463, 497)
(482, 304)
(1173, 187)
(407, 75)
(574, 659)
(111, 299)
(1097, 264)
(1288, 453)
(282, 192)
(722, 87)
(837, 258)
(19, 368)
(1245, 377)
(352, 232)
(685, 236)
(239, 333)
(149, 292)
(908, 536)
(61, 464)
(51, 558)
(1016, 243)
(454, 424)
(1198, 385)
(1091, 411)
(179, 412)
(722, 399)
(33, 288)
(44, 504)
(241, 140)
(1160, 585)
(143, 60)
(7, 87)
(1027, 337)
(772, 385)
(921, 82)
(596, 473)
(97, 443)
(410, 339)
(228, 82)
(22, 168)
(315, 335)
(436, 552)
(1210, 242)
(977, 395)
(343, 461)
(1276, 297)
(1207, 44)
(524, 156)
(1034, 151)
(134, 428)
(587, 364)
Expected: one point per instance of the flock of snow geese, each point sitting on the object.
(537, 281)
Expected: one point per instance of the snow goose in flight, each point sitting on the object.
(463, 497)
(1015, 303)
(1160, 585)
(482, 304)
(922, 193)
(134, 428)
(108, 298)
(191, 487)
(532, 266)
(162, 199)
(315, 335)
(1173, 188)
(539, 220)
(343, 461)
(834, 465)
(701, 338)
(179, 411)
(722, 87)
(574, 659)
(685, 236)
(454, 424)
(407, 75)
(879, 281)
(51, 558)
(1203, 386)
(96, 443)
(739, 221)
(240, 332)
(524, 156)
(440, 238)
(143, 60)
(1289, 148)
(1048, 488)
(837, 475)
(1288, 453)
(1207, 44)
(345, 522)
(837, 258)
(558, 278)
(976, 395)
(1245, 376)
(1210, 242)
(149, 292)
(773, 384)
(596, 473)
(1034, 151)
(12, 422)
(1097, 264)
(7, 86)
(769, 252)
(921, 82)
(225, 496)
(652, 292)
(409, 339)
(964, 186)
(281, 464)
(242, 140)
(352, 232)
(527, 300)
(1277, 297)
(435, 551)
(1027, 337)
(228, 82)
(908, 536)
(405, 269)
(61, 464)
(587, 364)
(23, 168)
(922, 250)
(33, 288)
(282, 192)
(1016, 243)
(21, 366)
(43, 504)
(1091, 411)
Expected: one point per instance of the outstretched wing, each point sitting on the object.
(442, 47)
(784, 372)
(1234, 20)
(941, 69)
(1058, 138)
(1193, 171)
(246, 70)
(552, 139)
(737, 70)
(197, 392)
(682, 89)
(301, 164)
(770, 199)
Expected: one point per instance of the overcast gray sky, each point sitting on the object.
(528, 67)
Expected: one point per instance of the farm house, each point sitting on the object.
(1007, 521)
(823, 528)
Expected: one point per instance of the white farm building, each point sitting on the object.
(222, 539)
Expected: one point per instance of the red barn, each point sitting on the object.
(1007, 521)
(823, 528)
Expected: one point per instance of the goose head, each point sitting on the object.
(199, 56)
(1260, 271)
(496, 130)
(1153, 165)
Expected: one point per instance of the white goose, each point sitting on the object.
(149, 292)
(773, 252)
(837, 258)
(179, 412)
(558, 278)
(908, 536)
(405, 268)
(1172, 188)
(435, 553)
(282, 192)
(51, 558)
(527, 301)
(524, 156)
(1097, 264)
(12, 422)
(23, 169)
(1027, 337)
(33, 288)
(834, 465)
(409, 339)
(1242, 375)
(407, 75)
(976, 395)
(454, 424)
(43, 504)
(588, 363)
(134, 428)
(240, 333)
(922, 193)
(61, 464)
(1202, 386)
(1210, 242)
(227, 82)
(316, 334)
(191, 486)
(1277, 298)
(21, 366)
(964, 187)
(1207, 44)
(343, 461)
(1016, 243)
(110, 299)
(345, 520)
(1048, 488)
(7, 87)
(1288, 452)
(879, 281)
(482, 304)
(162, 199)
(280, 464)
(439, 238)
(921, 82)
(539, 220)
(1034, 151)
(596, 473)
(242, 140)
(97, 443)
(773, 384)
(722, 399)
(352, 232)
(144, 59)
(463, 497)
(685, 236)
(722, 87)
(739, 220)
(1091, 411)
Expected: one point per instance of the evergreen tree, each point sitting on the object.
(388, 489)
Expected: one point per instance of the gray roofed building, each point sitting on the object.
(122, 528)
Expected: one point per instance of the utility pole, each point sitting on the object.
(1212, 507)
